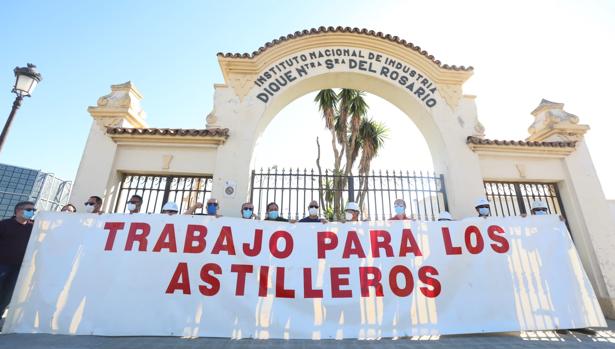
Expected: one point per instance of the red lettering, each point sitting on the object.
(409, 281)
(206, 275)
(113, 227)
(134, 237)
(374, 281)
(195, 233)
(224, 242)
(258, 242)
(280, 291)
(180, 280)
(408, 244)
(288, 244)
(166, 239)
(503, 245)
(241, 270)
(326, 240)
(424, 275)
(353, 246)
(448, 244)
(337, 281)
(263, 281)
(480, 243)
(377, 244)
(308, 291)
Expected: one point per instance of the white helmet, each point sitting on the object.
(170, 206)
(352, 206)
(539, 204)
(481, 202)
(444, 215)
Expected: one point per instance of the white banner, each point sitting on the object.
(226, 277)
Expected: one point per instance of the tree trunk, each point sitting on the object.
(320, 184)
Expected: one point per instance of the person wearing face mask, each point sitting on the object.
(312, 214)
(444, 216)
(134, 204)
(93, 205)
(539, 207)
(273, 213)
(14, 236)
(170, 208)
(400, 210)
(211, 208)
(351, 213)
(482, 207)
(70, 208)
(247, 211)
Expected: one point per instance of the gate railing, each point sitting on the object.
(515, 198)
(292, 189)
(157, 190)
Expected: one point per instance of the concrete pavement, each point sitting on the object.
(603, 339)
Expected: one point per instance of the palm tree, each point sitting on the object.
(354, 136)
(358, 109)
(371, 139)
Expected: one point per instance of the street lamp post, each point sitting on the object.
(26, 80)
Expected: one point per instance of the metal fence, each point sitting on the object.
(423, 192)
(157, 190)
(515, 198)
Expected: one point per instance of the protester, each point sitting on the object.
(247, 211)
(14, 235)
(273, 213)
(445, 216)
(70, 208)
(93, 205)
(539, 207)
(134, 204)
(170, 208)
(352, 212)
(312, 214)
(482, 207)
(400, 210)
(212, 208)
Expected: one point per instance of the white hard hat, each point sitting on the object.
(445, 215)
(481, 202)
(352, 206)
(170, 206)
(539, 204)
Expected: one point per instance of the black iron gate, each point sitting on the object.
(157, 190)
(423, 192)
(515, 198)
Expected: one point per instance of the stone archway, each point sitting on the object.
(259, 85)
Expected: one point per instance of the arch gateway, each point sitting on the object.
(123, 155)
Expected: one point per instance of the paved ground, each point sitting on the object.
(603, 339)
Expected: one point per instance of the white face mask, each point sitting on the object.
(131, 206)
(483, 211)
(348, 216)
(313, 211)
(89, 208)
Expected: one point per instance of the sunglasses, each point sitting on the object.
(312, 206)
(540, 209)
(248, 208)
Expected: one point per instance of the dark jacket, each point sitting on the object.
(14, 239)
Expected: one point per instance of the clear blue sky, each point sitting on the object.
(521, 51)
